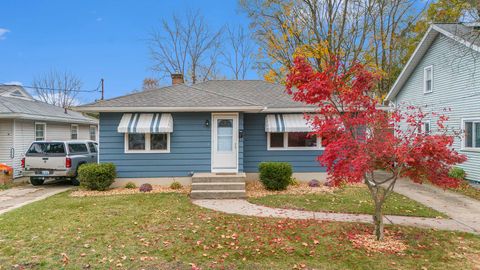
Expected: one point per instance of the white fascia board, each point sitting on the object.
(170, 109)
(48, 118)
(406, 69)
(457, 38)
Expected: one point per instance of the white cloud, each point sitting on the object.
(3, 32)
(14, 83)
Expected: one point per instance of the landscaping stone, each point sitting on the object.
(146, 188)
(314, 183)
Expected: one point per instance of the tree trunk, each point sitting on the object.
(378, 219)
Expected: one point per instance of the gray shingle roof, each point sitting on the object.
(216, 93)
(33, 109)
(468, 32)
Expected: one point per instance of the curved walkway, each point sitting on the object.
(243, 207)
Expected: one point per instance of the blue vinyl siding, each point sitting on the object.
(190, 148)
(255, 149)
(456, 84)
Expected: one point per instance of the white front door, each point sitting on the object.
(225, 142)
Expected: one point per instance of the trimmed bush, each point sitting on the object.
(130, 185)
(275, 175)
(176, 185)
(457, 173)
(95, 176)
(146, 188)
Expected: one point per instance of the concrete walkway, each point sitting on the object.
(19, 196)
(460, 208)
(243, 207)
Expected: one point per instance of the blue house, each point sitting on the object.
(444, 73)
(213, 134)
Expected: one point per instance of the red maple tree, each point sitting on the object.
(366, 142)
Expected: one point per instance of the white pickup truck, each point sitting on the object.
(57, 159)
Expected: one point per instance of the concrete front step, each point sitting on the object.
(219, 186)
(218, 194)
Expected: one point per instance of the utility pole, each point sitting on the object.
(103, 90)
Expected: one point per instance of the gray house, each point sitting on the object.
(217, 129)
(24, 120)
(444, 73)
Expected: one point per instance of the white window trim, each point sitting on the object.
(147, 145)
(423, 126)
(71, 133)
(285, 144)
(463, 147)
(425, 80)
(44, 130)
(90, 134)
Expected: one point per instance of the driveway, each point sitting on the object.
(22, 195)
(460, 208)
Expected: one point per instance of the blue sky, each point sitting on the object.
(93, 39)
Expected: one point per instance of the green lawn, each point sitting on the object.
(165, 231)
(348, 200)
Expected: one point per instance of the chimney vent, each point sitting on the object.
(177, 78)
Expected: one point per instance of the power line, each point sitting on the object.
(59, 89)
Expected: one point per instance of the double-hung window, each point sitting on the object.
(428, 79)
(293, 141)
(424, 127)
(93, 133)
(74, 132)
(146, 142)
(40, 131)
(146, 132)
(471, 138)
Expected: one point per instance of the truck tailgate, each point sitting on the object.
(45, 162)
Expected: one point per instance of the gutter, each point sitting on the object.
(47, 118)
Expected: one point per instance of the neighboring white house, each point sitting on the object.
(24, 120)
(444, 73)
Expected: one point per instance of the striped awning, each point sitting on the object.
(146, 123)
(286, 123)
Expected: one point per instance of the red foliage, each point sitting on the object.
(361, 137)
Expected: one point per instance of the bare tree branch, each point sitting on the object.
(57, 88)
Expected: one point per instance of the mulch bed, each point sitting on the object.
(127, 191)
(255, 189)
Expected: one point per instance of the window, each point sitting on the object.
(472, 134)
(46, 148)
(424, 127)
(40, 130)
(74, 132)
(92, 147)
(428, 79)
(147, 143)
(77, 148)
(93, 133)
(293, 141)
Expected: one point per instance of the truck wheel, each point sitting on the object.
(75, 181)
(36, 181)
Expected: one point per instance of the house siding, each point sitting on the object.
(19, 134)
(190, 148)
(456, 82)
(6, 141)
(255, 149)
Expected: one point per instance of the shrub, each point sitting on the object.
(130, 185)
(457, 173)
(176, 185)
(146, 188)
(293, 181)
(95, 176)
(275, 175)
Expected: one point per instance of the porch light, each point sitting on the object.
(207, 123)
